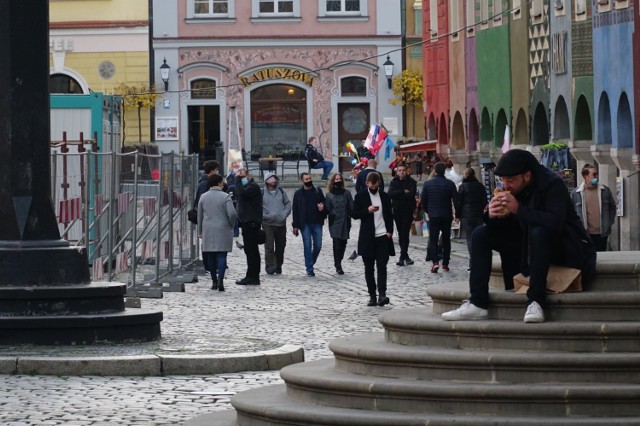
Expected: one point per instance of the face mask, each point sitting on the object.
(337, 185)
(594, 181)
(245, 181)
(373, 191)
(308, 184)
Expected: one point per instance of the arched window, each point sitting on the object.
(353, 86)
(203, 89)
(61, 83)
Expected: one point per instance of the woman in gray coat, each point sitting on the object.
(339, 203)
(216, 216)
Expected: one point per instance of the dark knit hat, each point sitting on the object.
(515, 162)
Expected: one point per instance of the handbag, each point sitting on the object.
(192, 216)
(262, 237)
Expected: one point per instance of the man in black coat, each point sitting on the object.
(373, 208)
(437, 198)
(402, 191)
(532, 224)
(249, 199)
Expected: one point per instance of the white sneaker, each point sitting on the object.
(468, 311)
(534, 313)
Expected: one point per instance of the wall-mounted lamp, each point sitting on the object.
(388, 70)
(164, 74)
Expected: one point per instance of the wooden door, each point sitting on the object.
(354, 121)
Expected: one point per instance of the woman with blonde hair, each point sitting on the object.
(339, 203)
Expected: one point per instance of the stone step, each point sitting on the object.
(615, 271)
(580, 306)
(319, 383)
(417, 326)
(270, 406)
(371, 355)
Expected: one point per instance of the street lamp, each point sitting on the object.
(388, 70)
(164, 74)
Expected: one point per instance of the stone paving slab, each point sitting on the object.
(290, 309)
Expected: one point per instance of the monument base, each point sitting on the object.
(43, 266)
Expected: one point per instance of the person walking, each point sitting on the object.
(276, 207)
(309, 213)
(373, 208)
(402, 191)
(361, 180)
(249, 198)
(339, 204)
(437, 198)
(532, 224)
(216, 217)
(595, 206)
(209, 167)
(470, 204)
(315, 158)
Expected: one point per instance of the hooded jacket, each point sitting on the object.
(276, 206)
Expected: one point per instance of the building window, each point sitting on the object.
(620, 4)
(353, 86)
(603, 5)
(516, 10)
(276, 8)
(343, 6)
(581, 10)
(497, 12)
(536, 11)
(558, 7)
(210, 9)
(455, 19)
(278, 116)
(558, 52)
(203, 89)
(484, 13)
(471, 18)
(61, 83)
(433, 19)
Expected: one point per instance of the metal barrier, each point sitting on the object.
(130, 212)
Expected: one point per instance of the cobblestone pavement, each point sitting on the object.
(290, 308)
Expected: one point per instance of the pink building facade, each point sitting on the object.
(266, 75)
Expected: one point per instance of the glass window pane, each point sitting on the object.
(203, 88)
(60, 83)
(201, 6)
(285, 6)
(266, 7)
(352, 5)
(353, 86)
(334, 6)
(220, 6)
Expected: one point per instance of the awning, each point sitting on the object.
(418, 146)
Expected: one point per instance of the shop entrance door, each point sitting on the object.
(353, 125)
(204, 132)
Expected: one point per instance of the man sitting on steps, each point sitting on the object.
(532, 224)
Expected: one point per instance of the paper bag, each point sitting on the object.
(560, 279)
(414, 230)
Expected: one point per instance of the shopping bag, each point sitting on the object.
(425, 228)
(560, 279)
(414, 230)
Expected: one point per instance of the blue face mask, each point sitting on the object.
(594, 181)
(245, 181)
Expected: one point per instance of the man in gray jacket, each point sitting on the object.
(595, 206)
(276, 207)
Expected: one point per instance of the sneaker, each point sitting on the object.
(434, 268)
(534, 313)
(468, 311)
(445, 268)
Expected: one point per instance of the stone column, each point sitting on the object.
(630, 220)
(581, 151)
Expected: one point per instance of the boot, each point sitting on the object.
(339, 268)
(372, 301)
(383, 300)
(220, 285)
(214, 286)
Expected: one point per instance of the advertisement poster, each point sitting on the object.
(166, 128)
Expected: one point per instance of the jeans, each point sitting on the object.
(380, 262)
(326, 167)
(217, 261)
(544, 247)
(312, 241)
(274, 244)
(436, 226)
(250, 240)
(403, 223)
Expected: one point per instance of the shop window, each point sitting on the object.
(278, 116)
(353, 86)
(203, 89)
(211, 8)
(61, 83)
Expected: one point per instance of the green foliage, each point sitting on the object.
(407, 89)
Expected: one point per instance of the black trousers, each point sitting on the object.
(339, 247)
(274, 244)
(250, 241)
(403, 224)
(545, 248)
(436, 226)
(379, 262)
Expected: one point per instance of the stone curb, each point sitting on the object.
(153, 365)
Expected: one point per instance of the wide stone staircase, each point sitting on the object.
(581, 367)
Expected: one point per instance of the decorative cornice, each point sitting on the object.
(97, 24)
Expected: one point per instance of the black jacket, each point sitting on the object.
(403, 203)
(472, 199)
(299, 211)
(546, 202)
(361, 180)
(249, 199)
(437, 197)
(367, 235)
(311, 153)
